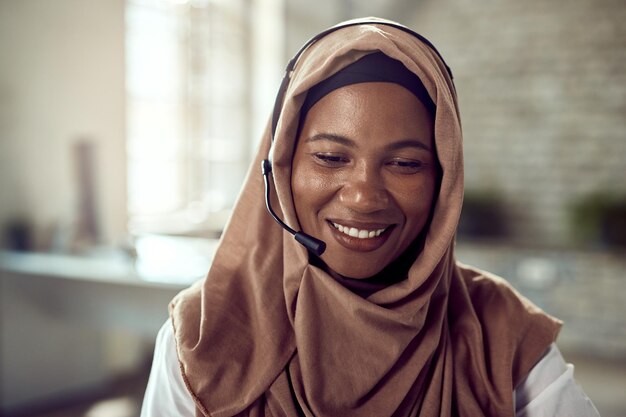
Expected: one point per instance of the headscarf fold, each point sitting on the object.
(268, 333)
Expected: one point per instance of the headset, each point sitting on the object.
(315, 245)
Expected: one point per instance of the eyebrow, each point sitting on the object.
(405, 143)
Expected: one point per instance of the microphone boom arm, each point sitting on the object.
(314, 245)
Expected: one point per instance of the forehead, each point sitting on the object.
(368, 111)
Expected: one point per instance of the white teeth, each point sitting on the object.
(360, 234)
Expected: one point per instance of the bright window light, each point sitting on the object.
(188, 111)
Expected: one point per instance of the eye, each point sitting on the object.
(406, 166)
(330, 159)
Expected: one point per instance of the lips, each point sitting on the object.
(361, 237)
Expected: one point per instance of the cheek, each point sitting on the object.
(310, 191)
(307, 182)
(416, 203)
(298, 188)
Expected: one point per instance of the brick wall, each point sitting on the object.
(542, 87)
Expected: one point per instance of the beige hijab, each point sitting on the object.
(268, 334)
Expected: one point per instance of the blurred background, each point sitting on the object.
(127, 127)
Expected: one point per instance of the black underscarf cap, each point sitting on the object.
(375, 67)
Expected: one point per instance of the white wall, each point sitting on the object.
(62, 337)
(61, 79)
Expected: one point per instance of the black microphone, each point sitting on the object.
(314, 245)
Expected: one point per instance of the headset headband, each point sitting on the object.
(363, 21)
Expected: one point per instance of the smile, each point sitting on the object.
(358, 233)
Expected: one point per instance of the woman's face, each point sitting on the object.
(364, 175)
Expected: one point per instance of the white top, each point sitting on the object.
(549, 389)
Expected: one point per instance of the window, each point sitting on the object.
(189, 101)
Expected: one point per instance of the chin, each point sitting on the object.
(354, 273)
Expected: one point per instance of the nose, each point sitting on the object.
(364, 192)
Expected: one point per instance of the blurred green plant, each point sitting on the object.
(483, 215)
(599, 219)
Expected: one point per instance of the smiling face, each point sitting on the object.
(364, 175)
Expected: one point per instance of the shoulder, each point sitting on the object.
(489, 293)
(485, 287)
(487, 310)
(550, 389)
(166, 393)
(493, 301)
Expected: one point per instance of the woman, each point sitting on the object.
(366, 160)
